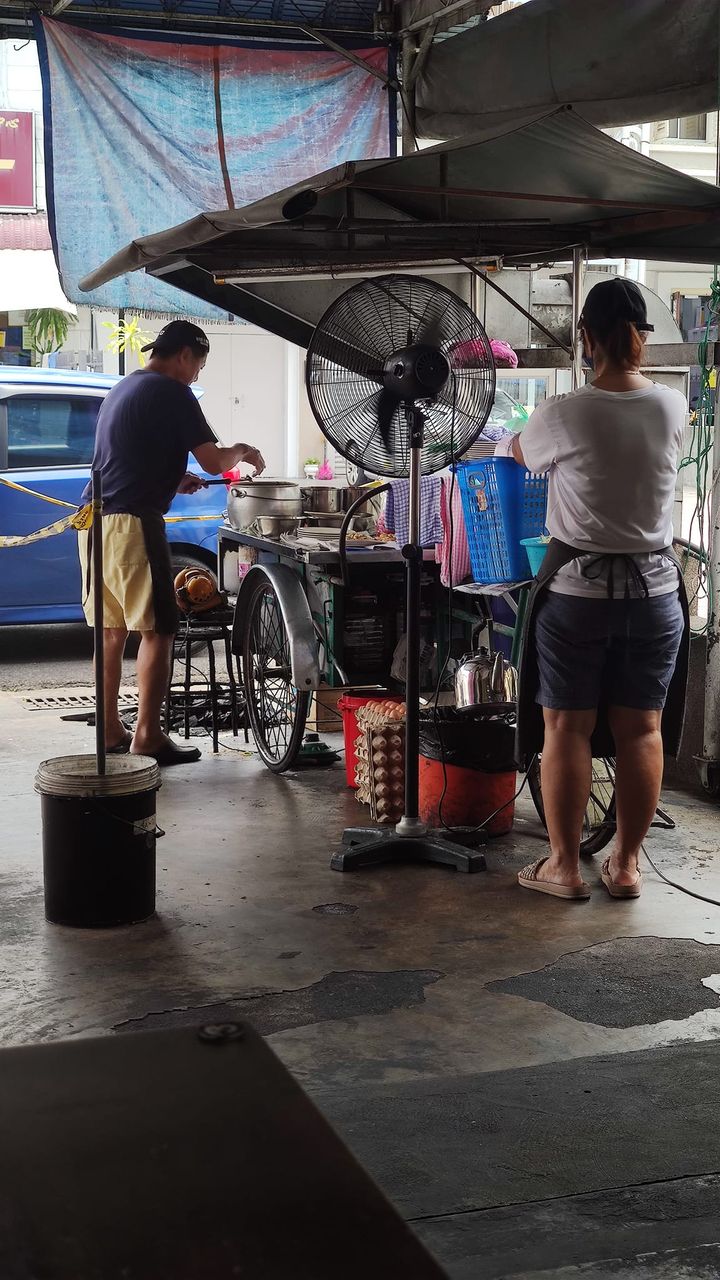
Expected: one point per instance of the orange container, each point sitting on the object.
(348, 706)
(471, 796)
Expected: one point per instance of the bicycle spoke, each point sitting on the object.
(270, 677)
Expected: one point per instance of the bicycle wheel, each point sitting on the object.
(599, 821)
(276, 709)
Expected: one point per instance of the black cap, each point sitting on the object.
(177, 335)
(614, 300)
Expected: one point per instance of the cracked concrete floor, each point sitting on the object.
(453, 1029)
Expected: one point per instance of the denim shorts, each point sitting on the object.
(622, 652)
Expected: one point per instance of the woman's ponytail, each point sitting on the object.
(623, 345)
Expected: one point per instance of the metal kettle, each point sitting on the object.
(485, 680)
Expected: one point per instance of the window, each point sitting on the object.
(51, 431)
(686, 129)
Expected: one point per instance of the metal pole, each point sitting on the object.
(578, 274)
(710, 761)
(121, 352)
(407, 96)
(97, 575)
(410, 824)
(710, 764)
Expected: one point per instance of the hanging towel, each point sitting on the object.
(452, 555)
(397, 511)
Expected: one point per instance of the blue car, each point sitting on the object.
(47, 436)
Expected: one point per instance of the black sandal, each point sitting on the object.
(171, 753)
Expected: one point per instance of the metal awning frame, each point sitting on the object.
(172, 21)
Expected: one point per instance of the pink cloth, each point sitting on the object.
(454, 561)
(504, 354)
(473, 354)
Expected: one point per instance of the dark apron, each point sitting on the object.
(530, 732)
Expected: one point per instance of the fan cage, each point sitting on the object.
(345, 365)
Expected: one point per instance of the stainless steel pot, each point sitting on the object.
(323, 500)
(273, 526)
(252, 499)
(329, 499)
(485, 680)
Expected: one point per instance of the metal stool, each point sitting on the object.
(208, 629)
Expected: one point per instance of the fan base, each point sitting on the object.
(369, 847)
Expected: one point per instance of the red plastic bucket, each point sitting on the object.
(348, 705)
(471, 797)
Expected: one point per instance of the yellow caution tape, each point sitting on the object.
(183, 519)
(21, 488)
(81, 519)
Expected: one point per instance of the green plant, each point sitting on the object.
(47, 329)
(311, 462)
(126, 336)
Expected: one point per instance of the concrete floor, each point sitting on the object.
(533, 1083)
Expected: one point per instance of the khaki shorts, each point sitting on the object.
(138, 590)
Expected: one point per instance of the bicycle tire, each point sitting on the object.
(279, 750)
(599, 834)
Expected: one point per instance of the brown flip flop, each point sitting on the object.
(620, 890)
(527, 879)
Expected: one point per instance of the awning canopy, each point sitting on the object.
(618, 62)
(29, 281)
(525, 193)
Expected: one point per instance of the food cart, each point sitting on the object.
(309, 617)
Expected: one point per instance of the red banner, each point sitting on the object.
(17, 160)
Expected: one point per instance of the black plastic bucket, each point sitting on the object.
(98, 840)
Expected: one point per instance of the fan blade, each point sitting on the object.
(426, 318)
(387, 404)
(349, 355)
(429, 332)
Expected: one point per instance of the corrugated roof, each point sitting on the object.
(24, 231)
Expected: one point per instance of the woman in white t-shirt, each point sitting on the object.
(609, 622)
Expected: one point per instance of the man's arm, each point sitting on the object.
(217, 459)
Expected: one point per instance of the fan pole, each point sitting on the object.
(364, 847)
(410, 824)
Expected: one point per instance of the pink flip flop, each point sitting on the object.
(620, 890)
(527, 879)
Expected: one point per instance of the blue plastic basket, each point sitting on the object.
(502, 505)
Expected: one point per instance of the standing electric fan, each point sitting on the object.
(401, 379)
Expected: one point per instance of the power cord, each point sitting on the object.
(691, 893)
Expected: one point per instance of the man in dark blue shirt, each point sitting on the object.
(147, 426)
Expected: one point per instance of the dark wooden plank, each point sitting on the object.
(182, 1156)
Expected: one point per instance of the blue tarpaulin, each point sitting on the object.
(144, 133)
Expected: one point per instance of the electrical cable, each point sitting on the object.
(691, 893)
